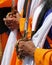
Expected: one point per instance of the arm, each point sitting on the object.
(41, 56)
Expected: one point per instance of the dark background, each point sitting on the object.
(3, 13)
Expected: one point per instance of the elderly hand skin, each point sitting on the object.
(12, 20)
(27, 47)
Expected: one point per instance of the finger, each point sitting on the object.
(9, 23)
(14, 15)
(10, 26)
(21, 54)
(8, 19)
(9, 14)
(21, 45)
(4, 19)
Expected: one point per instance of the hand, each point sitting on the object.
(26, 47)
(12, 20)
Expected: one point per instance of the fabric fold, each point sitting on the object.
(9, 48)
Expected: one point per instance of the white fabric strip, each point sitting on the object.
(38, 38)
(36, 15)
(9, 48)
(28, 61)
(20, 5)
(41, 44)
(34, 5)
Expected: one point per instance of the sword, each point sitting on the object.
(13, 7)
(25, 30)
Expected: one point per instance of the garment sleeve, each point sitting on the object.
(43, 56)
(41, 34)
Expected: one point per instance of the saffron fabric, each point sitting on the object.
(6, 3)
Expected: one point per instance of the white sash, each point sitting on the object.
(34, 5)
(36, 15)
(40, 36)
(20, 5)
(9, 48)
(28, 61)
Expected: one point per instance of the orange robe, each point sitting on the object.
(6, 3)
(43, 56)
(50, 41)
(3, 38)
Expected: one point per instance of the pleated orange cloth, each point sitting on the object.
(43, 56)
(49, 41)
(3, 38)
(15, 60)
(6, 3)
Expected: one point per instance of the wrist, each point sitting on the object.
(33, 51)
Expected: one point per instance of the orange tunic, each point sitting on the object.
(43, 56)
(3, 38)
(50, 41)
(6, 3)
